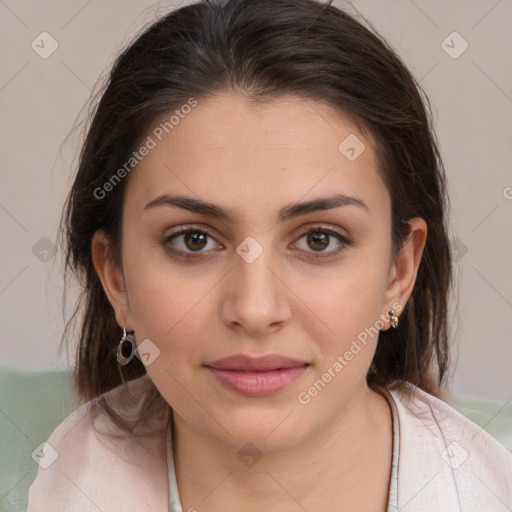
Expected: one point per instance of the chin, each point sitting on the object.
(267, 430)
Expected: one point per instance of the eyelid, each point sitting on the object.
(321, 227)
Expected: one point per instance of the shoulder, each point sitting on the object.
(446, 460)
(94, 464)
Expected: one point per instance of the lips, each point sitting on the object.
(245, 363)
(256, 376)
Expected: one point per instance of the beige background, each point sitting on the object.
(471, 97)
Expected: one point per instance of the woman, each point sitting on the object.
(259, 222)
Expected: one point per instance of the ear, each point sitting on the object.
(404, 269)
(112, 279)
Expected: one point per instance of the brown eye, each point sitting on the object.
(322, 240)
(318, 241)
(195, 241)
(188, 241)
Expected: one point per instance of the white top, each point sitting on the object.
(442, 461)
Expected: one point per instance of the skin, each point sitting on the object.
(336, 450)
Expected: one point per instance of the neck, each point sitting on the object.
(345, 462)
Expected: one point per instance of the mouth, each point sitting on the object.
(256, 376)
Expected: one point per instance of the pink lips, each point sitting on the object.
(260, 376)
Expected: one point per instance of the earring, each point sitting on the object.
(126, 348)
(394, 318)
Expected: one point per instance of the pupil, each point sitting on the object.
(195, 238)
(318, 238)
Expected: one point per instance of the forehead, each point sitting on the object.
(242, 153)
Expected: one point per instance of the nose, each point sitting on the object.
(256, 300)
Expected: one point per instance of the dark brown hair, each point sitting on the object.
(265, 49)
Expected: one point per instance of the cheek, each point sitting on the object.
(350, 307)
(156, 295)
(166, 308)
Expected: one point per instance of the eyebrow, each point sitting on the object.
(286, 213)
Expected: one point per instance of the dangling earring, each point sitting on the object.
(394, 318)
(126, 348)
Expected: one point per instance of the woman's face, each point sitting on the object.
(259, 180)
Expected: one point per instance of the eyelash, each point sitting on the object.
(315, 229)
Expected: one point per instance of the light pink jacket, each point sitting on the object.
(446, 463)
